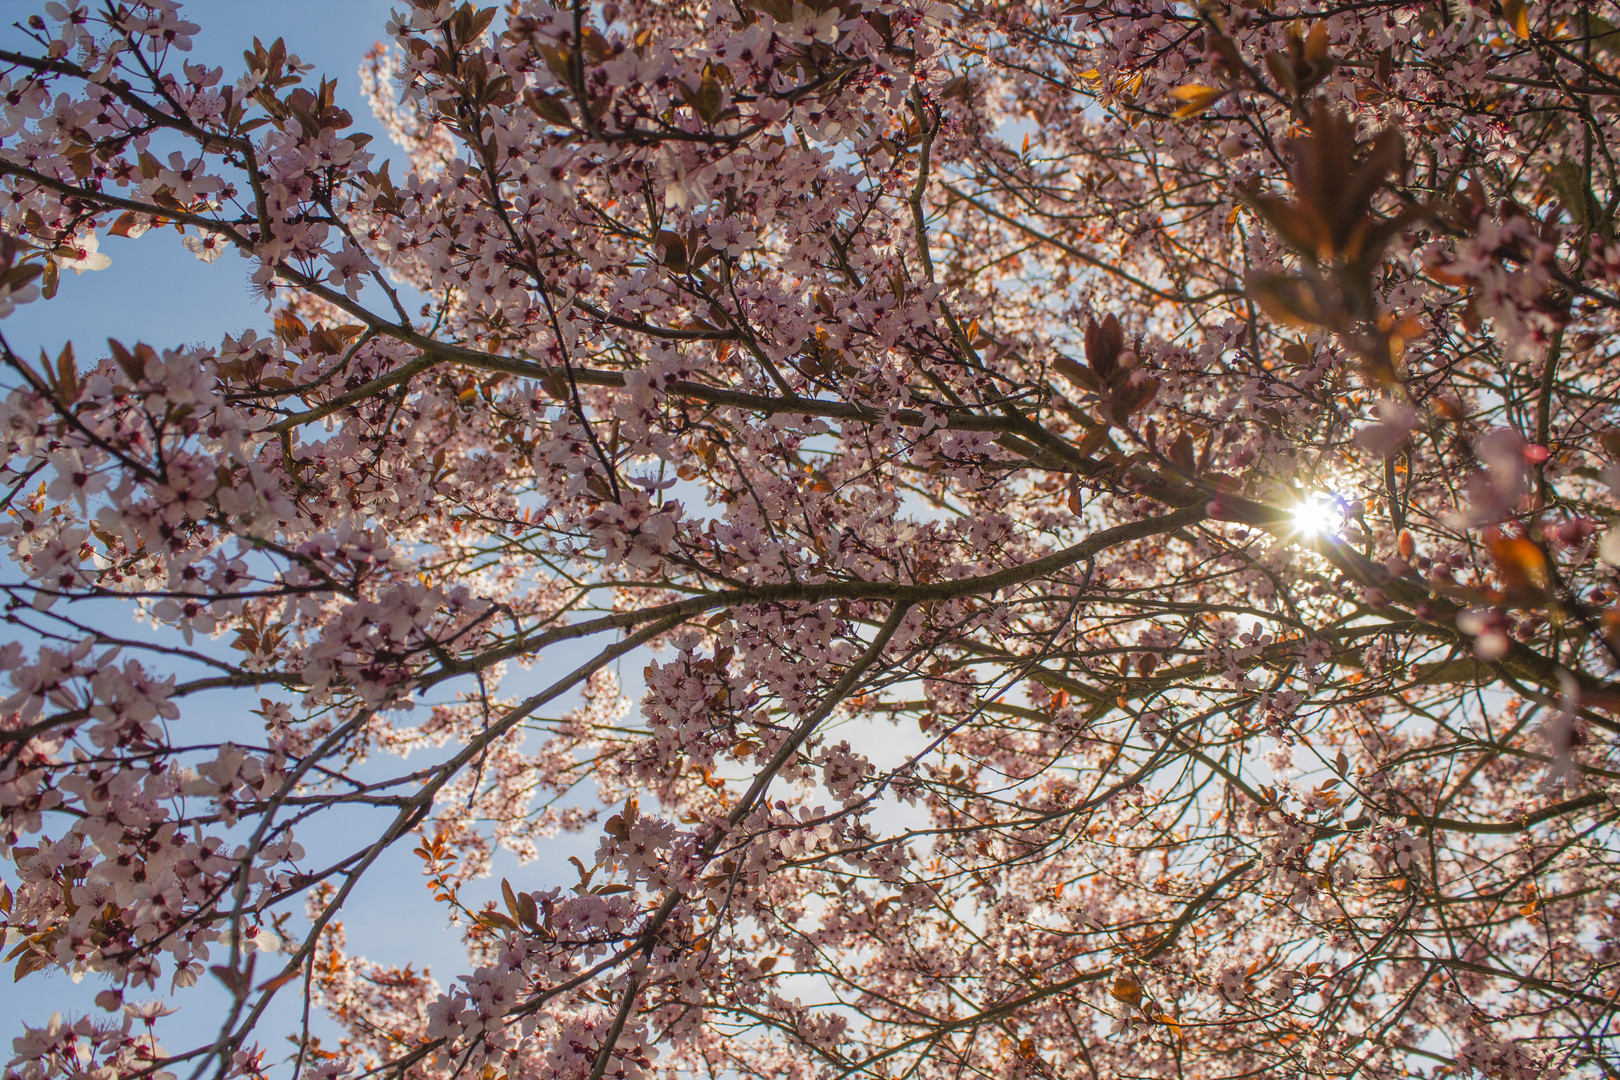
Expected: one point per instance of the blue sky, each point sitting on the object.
(163, 295)
(157, 292)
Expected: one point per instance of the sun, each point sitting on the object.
(1318, 514)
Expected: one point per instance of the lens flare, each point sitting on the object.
(1318, 515)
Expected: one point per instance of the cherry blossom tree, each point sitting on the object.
(1038, 541)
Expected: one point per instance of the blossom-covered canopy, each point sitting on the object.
(1045, 540)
